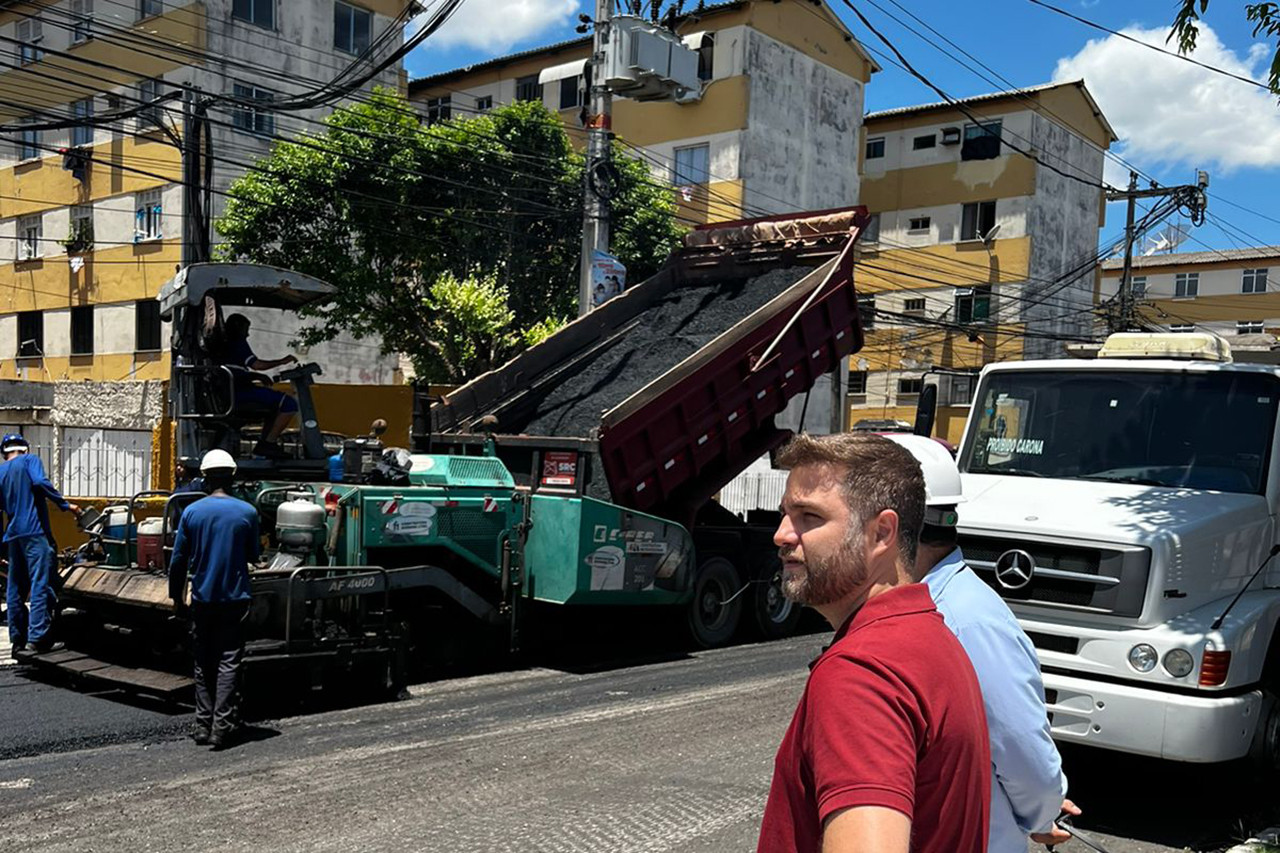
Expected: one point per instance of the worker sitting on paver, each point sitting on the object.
(24, 488)
(217, 540)
(237, 353)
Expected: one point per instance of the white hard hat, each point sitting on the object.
(941, 476)
(217, 460)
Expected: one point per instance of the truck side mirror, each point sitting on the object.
(926, 410)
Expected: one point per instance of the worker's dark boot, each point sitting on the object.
(268, 450)
(16, 649)
(201, 736)
(44, 647)
(220, 739)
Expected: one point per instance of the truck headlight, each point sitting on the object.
(1143, 658)
(1178, 662)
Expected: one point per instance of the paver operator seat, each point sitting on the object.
(202, 392)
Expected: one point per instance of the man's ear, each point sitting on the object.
(883, 530)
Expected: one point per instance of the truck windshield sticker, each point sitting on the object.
(1031, 446)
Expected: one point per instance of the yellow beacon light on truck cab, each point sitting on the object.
(1199, 346)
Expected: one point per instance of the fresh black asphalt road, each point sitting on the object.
(671, 755)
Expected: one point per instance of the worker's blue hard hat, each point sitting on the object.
(13, 441)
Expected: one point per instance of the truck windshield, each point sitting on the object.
(1182, 430)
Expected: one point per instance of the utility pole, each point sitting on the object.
(1126, 277)
(195, 225)
(596, 174)
(1190, 198)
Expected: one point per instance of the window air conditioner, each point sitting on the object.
(951, 136)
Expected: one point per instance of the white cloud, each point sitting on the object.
(1175, 113)
(496, 25)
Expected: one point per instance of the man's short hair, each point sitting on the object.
(876, 474)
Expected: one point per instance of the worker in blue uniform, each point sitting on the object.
(24, 489)
(236, 352)
(217, 540)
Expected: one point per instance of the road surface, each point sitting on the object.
(673, 755)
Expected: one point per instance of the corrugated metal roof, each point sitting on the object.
(1178, 259)
(995, 96)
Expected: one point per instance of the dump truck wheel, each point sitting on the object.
(776, 616)
(712, 622)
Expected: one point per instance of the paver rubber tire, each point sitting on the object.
(776, 616)
(1264, 753)
(712, 622)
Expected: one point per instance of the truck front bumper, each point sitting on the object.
(1139, 720)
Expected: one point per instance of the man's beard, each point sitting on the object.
(827, 579)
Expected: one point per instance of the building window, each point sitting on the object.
(30, 334)
(253, 120)
(922, 142)
(148, 213)
(81, 237)
(871, 233)
(148, 91)
(857, 382)
(1138, 287)
(1249, 327)
(1186, 285)
(351, 28)
(961, 392)
(867, 312)
(910, 387)
(30, 33)
(977, 218)
(82, 330)
(81, 21)
(913, 306)
(692, 166)
(528, 88)
(707, 57)
(918, 223)
(570, 92)
(439, 109)
(261, 13)
(875, 148)
(484, 103)
(28, 141)
(30, 237)
(146, 314)
(981, 141)
(1183, 328)
(1254, 281)
(973, 304)
(148, 8)
(82, 134)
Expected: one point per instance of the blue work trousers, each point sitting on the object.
(30, 572)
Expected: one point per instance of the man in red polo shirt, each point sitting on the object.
(888, 749)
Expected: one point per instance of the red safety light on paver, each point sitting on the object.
(1213, 668)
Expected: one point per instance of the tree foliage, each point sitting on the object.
(1265, 18)
(456, 243)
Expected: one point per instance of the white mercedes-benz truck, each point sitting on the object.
(1125, 507)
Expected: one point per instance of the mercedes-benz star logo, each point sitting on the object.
(1015, 569)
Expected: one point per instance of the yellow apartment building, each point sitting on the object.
(774, 128)
(983, 245)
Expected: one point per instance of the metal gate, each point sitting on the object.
(112, 463)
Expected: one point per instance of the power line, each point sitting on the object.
(1157, 49)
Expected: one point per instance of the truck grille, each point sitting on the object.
(1103, 578)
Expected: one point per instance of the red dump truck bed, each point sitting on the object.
(745, 317)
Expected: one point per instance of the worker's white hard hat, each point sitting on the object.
(942, 487)
(217, 460)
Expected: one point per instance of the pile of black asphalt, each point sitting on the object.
(657, 340)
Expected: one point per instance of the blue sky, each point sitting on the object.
(1171, 116)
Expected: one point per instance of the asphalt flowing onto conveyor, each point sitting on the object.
(655, 341)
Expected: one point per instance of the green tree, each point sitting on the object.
(1265, 18)
(408, 220)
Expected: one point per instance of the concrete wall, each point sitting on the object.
(1063, 223)
(800, 148)
(108, 405)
